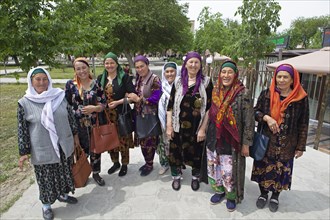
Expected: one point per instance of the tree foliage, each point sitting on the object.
(259, 20)
(307, 32)
(212, 34)
(151, 26)
(38, 29)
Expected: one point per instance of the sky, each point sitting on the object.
(291, 9)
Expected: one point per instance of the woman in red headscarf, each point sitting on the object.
(283, 112)
(230, 133)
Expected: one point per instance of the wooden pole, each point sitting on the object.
(322, 113)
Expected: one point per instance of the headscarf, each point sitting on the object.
(184, 73)
(166, 89)
(141, 58)
(52, 98)
(120, 71)
(277, 107)
(76, 79)
(221, 112)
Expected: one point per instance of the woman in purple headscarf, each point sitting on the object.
(149, 90)
(187, 114)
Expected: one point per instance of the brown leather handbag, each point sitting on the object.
(104, 137)
(81, 169)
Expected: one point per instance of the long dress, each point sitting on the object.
(53, 179)
(115, 92)
(184, 148)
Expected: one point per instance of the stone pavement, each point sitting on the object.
(151, 197)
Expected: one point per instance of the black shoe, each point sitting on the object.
(261, 201)
(146, 171)
(273, 205)
(98, 179)
(176, 184)
(114, 168)
(48, 214)
(195, 184)
(70, 200)
(142, 168)
(123, 170)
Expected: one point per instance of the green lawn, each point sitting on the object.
(9, 173)
(56, 73)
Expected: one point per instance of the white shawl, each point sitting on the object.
(52, 98)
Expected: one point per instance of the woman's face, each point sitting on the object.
(283, 80)
(193, 65)
(142, 68)
(110, 65)
(170, 74)
(82, 70)
(40, 82)
(227, 76)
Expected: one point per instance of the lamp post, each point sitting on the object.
(209, 61)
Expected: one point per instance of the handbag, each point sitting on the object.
(104, 137)
(81, 169)
(125, 121)
(147, 125)
(259, 146)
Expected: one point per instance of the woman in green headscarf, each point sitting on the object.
(116, 86)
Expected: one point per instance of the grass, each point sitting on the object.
(9, 95)
(57, 73)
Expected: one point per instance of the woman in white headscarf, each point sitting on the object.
(169, 72)
(47, 133)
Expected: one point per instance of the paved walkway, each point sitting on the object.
(151, 197)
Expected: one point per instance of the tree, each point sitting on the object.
(212, 34)
(151, 26)
(307, 32)
(259, 20)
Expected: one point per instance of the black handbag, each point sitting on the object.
(125, 120)
(259, 146)
(147, 125)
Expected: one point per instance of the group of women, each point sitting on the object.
(209, 128)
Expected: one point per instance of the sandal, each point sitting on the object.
(176, 184)
(273, 205)
(261, 201)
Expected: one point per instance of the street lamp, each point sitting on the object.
(209, 60)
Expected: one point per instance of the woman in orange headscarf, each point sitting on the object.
(283, 112)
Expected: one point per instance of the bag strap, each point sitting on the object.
(124, 110)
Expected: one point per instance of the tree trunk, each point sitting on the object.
(16, 60)
(130, 62)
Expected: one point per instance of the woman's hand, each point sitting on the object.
(245, 152)
(133, 97)
(169, 132)
(113, 104)
(201, 135)
(89, 109)
(272, 124)
(298, 153)
(21, 161)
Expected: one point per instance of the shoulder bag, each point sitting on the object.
(104, 137)
(259, 146)
(125, 121)
(81, 169)
(147, 125)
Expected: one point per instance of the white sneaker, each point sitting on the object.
(163, 170)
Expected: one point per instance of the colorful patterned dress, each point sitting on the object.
(93, 96)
